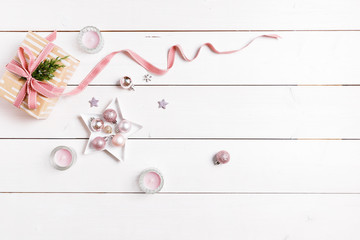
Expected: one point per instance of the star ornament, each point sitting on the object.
(93, 102)
(162, 104)
(109, 130)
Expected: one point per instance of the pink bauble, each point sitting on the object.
(118, 140)
(110, 115)
(222, 157)
(126, 82)
(98, 143)
(96, 124)
(124, 126)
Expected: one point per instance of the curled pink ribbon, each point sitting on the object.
(32, 86)
(24, 69)
(151, 68)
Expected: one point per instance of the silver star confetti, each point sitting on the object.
(93, 102)
(162, 104)
(147, 77)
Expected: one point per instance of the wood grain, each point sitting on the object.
(298, 58)
(187, 15)
(252, 104)
(204, 112)
(257, 166)
(108, 216)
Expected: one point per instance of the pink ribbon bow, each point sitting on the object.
(24, 69)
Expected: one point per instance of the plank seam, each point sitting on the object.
(198, 30)
(198, 193)
(200, 139)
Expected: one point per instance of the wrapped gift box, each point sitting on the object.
(10, 83)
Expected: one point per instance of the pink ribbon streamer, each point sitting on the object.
(151, 68)
(24, 69)
(32, 86)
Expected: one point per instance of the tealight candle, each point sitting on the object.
(62, 157)
(151, 181)
(90, 39)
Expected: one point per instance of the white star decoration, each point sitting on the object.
(117, 152)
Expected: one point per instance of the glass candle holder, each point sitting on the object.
(151, 181)
(62, 157)
(90, 39)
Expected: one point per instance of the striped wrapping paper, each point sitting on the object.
(10, 84)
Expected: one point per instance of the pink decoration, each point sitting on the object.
(222, 157)
(124, 126)
(98, 143)
(110, 115)
(96, 124)
(91, 39)
(63, 158)
(152, 180)
(115, 139)
(24, 69)
(151, 68)
(126, 83)
(33, 86)
(118, 140)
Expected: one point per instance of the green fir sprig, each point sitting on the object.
(45, 70)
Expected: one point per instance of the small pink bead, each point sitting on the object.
(98, 143)
(222, 157)
(118, 140)
(110, 115)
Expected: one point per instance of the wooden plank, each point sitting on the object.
(255, 167)
(204, 112)
(189, 14)
(272, 217)
(309, 57)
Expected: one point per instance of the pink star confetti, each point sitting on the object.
(162, 104)
(93, 102)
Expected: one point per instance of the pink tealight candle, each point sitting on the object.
(90, 39)
(151, 181)
(62, 157)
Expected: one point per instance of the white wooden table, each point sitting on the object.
(287, 111)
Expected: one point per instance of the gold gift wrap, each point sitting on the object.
(10, 83)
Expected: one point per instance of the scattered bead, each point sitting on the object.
(118, 140)
(98, 143)
(96, 124)
(110, 115)
(222, 157)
